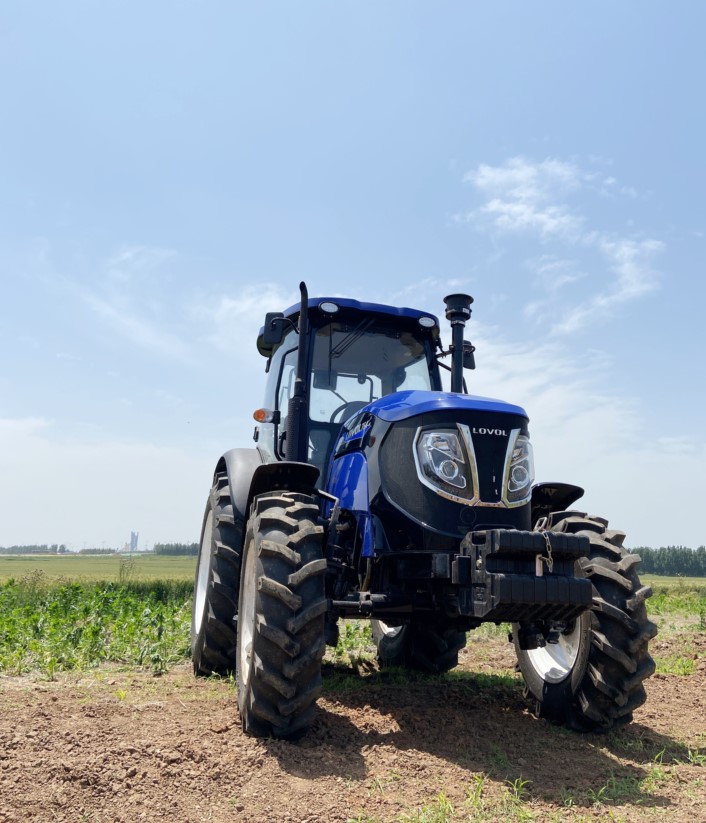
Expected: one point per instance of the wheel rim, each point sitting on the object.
(246, 615)
(555, 661)
(203, 573)
(389, 631)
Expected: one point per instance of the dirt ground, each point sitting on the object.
(124, 746)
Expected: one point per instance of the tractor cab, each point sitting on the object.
(354, 354)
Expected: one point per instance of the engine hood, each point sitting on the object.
(404, 404)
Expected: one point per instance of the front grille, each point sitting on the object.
(404, 490)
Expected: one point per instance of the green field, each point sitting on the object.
(59, 613)
(682, 585)
(92, 568)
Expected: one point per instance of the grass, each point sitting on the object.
(438, 810)
(64, 612)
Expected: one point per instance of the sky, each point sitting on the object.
(170, 171)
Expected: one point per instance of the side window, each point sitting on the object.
(329, 405)
(287, 375)
(285, 389)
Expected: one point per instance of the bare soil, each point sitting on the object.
(125, 746)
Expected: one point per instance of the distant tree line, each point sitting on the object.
(55, 548)
(97, 551)
(176, 548)
(673, 560)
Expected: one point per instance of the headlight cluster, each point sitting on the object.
(520, 472)
(440, 458)
(446, 462)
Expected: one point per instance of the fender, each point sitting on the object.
(249, 475)
(553, 497)
(240, 466)
(285, 475)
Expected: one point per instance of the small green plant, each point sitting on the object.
(676, 664)
(517, 789)
(514, 799)
(597, 797)
(355, 642)
(438, 811)
(474, 793)
(567, 799)
(696, 757)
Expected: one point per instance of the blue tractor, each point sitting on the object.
(372, 493)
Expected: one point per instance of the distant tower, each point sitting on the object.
(134, 536)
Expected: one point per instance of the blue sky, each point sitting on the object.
(169, 172)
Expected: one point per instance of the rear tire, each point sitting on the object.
(592, 680)
(427, 647)
(281, 617)
(215, 602)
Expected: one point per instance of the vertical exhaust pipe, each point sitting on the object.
(458, 311)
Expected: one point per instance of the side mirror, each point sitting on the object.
(469, 360)
(273, 331)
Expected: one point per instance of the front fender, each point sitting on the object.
(240, 466)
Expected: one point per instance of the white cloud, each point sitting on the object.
(520, 194)
(531, 198)
(233, 321)
(631, 262)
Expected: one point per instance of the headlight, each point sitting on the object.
(520, 471)
(440, 461)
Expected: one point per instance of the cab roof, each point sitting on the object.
(348, 306)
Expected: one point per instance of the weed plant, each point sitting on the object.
(57, 626)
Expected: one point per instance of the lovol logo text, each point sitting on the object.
(497, 432)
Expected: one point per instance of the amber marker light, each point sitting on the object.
(264, 416)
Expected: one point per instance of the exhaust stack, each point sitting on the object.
(458, 311)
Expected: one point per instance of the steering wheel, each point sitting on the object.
(346, 410)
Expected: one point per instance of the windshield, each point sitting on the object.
(355, 363)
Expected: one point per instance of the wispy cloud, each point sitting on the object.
(233, 320)
(534, 199)
(631, 262)
(119, 297)
(138, 330)
(132, 261)
(521, 197)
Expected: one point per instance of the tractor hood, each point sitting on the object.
(404, 404)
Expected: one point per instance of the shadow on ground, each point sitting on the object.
(481, 724)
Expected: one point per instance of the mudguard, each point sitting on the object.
(240, 465)
(249, 475)
(553, 497)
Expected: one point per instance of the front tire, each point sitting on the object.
(215, 601)
(427, 647)
(592, 679)
(281, 616)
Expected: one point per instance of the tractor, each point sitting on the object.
(372, 493)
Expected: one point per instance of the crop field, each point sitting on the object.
(87, 567)
(102, 720)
